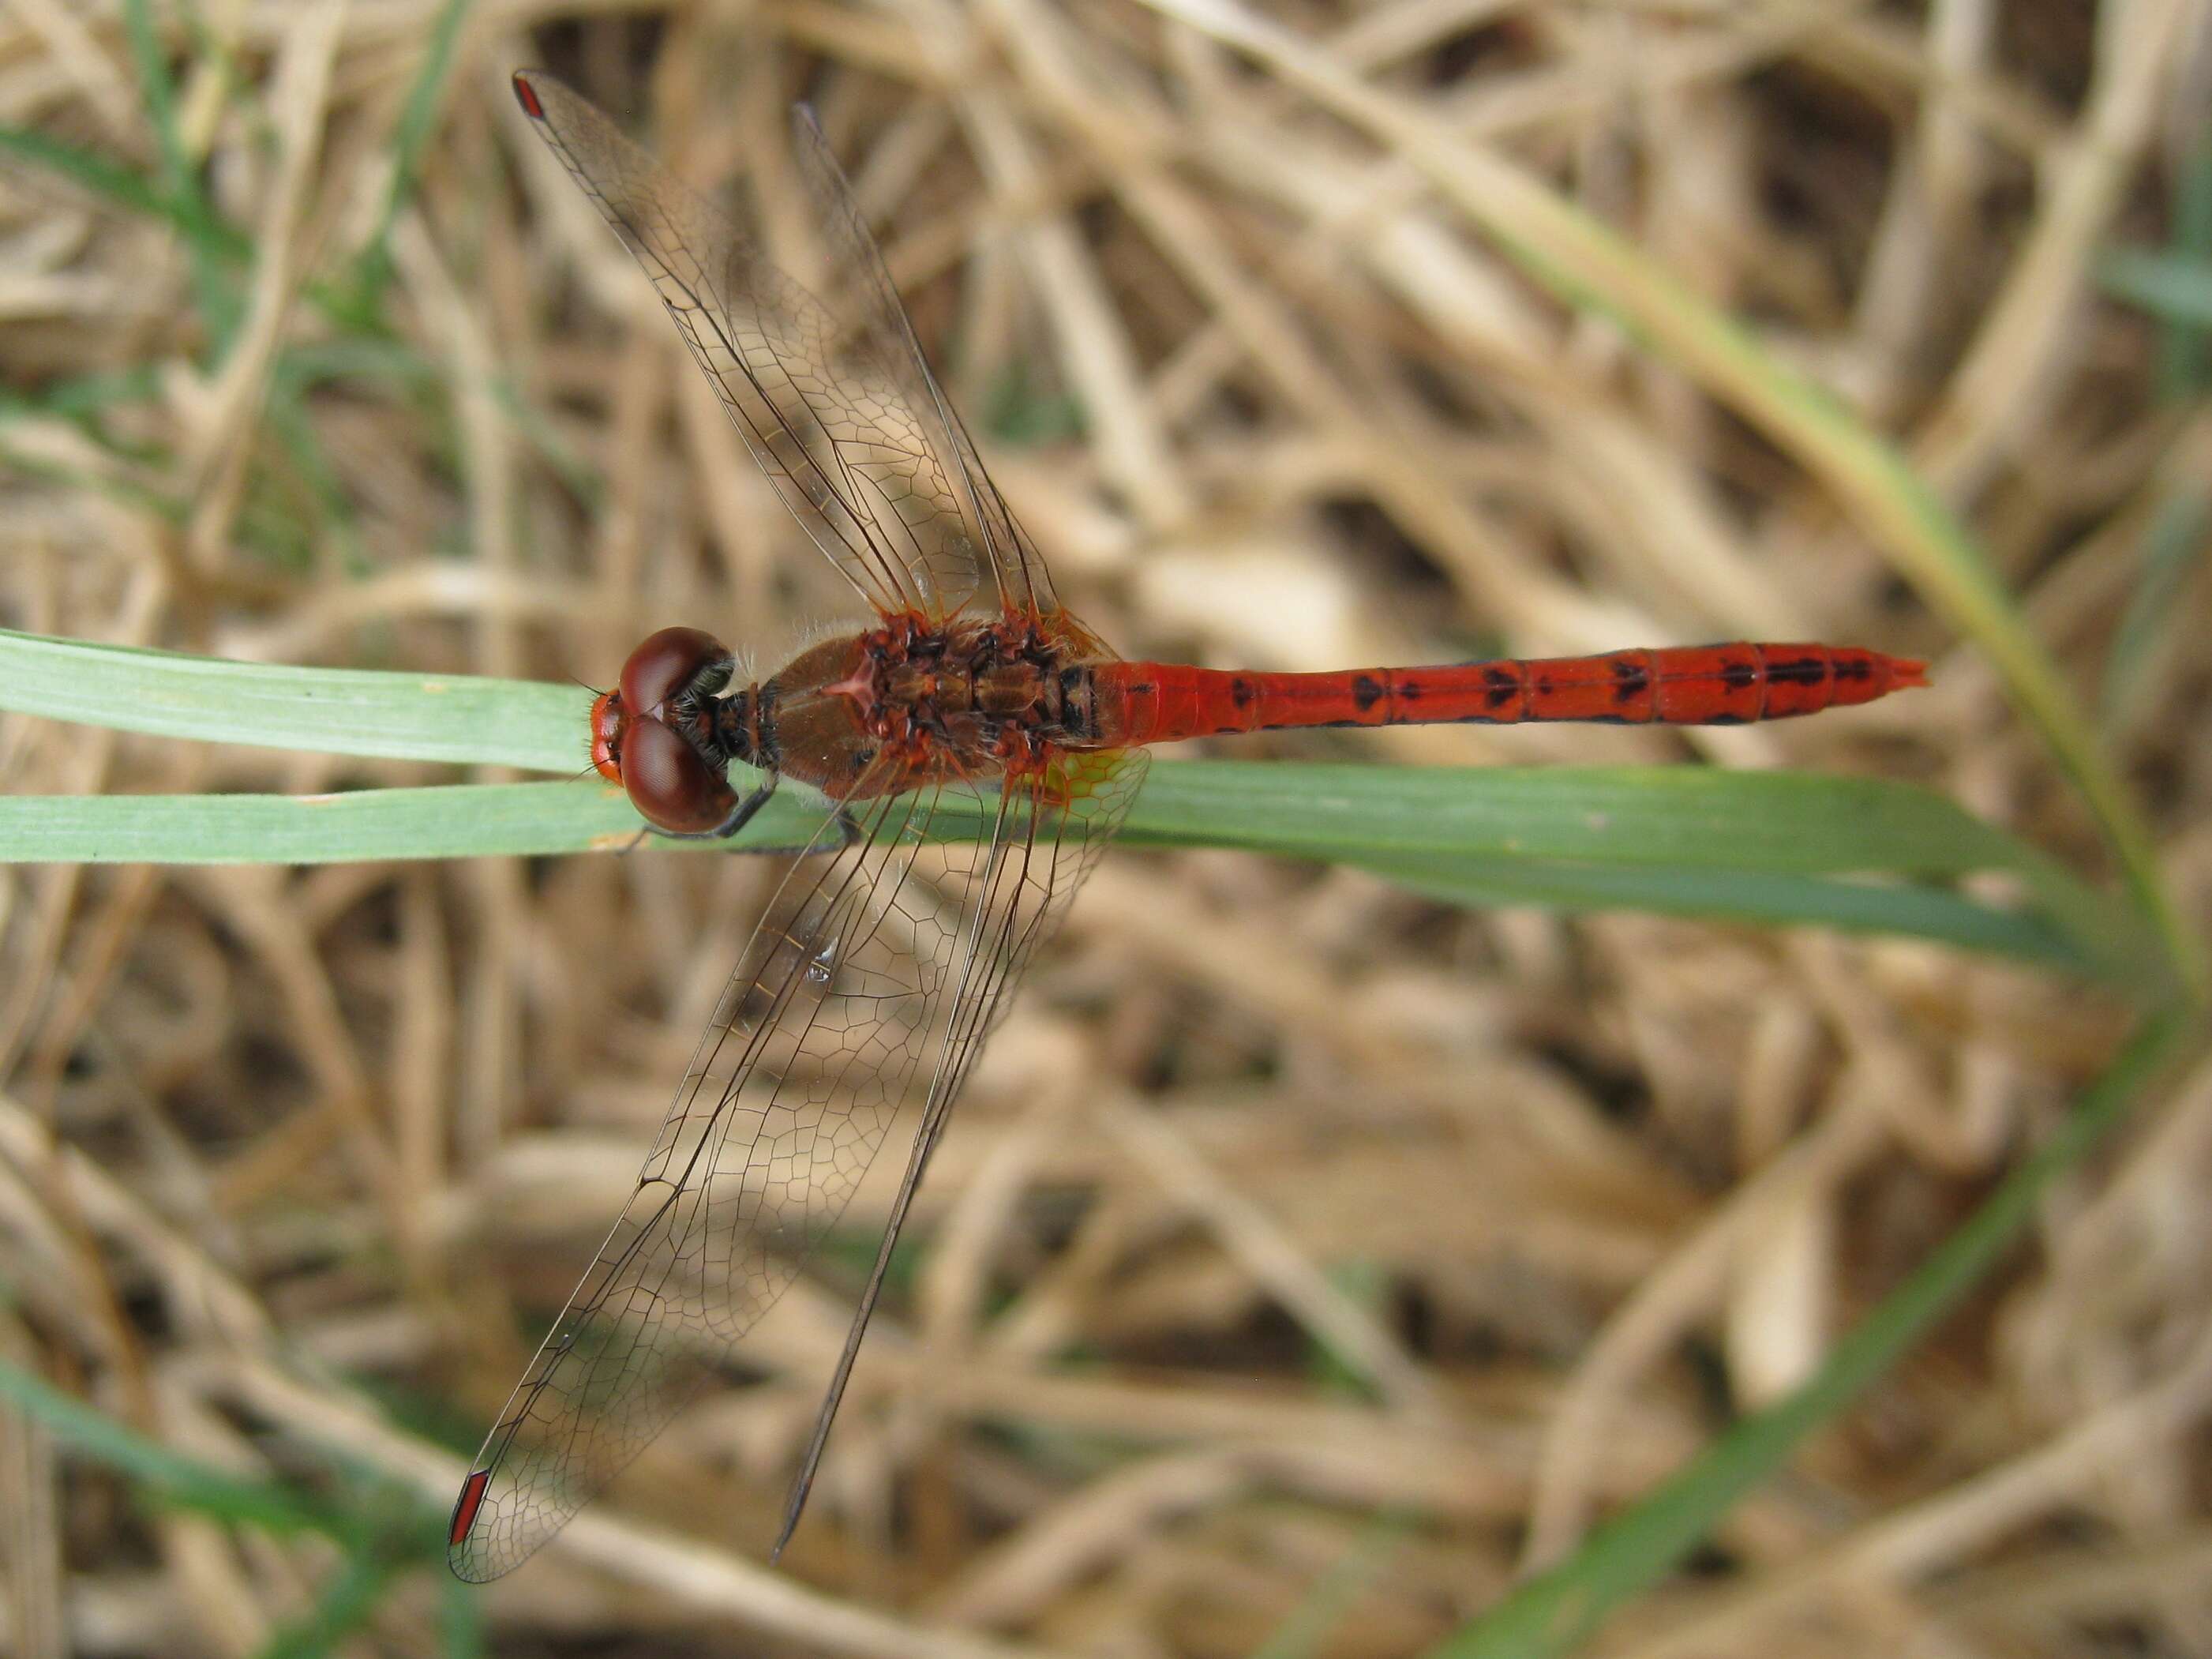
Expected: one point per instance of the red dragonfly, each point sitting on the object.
(972, 697)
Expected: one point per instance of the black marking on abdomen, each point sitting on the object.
(1505, 685)
(1366, 691)
(1241, 692)
(1799, 670)
(1738, 675)
(1854, 668)
(1630, 679)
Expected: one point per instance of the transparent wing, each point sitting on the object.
(857, 453)
(872, 299)
(1050, 830)
(872, 982)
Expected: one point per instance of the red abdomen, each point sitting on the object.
(1683, 685)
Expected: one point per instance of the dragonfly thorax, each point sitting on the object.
(912, 700)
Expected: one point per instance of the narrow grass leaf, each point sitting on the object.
(207, 239)
(82, 399)
(1754, 898)
(2176, 287)
(347, 1604)
(176, 1481)
(167, 509)
(372, 269)
(2174, 542)
(457, 820)
(473, 821)
(95, 174)
(458, 718)
(2184, 367)
(460, 1618)
(1304, 1632)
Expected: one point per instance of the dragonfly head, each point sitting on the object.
(640, 731)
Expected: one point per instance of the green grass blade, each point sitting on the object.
(94, 174)
(174, 1480)
(372, 268)
(458, 821)
(288, 421)
(355, 358)
(457, 718)
(2184, 367)
(541, 819)
(82, 399)
(120, 187)
(167, 509)
(2175, 286)
(1304, 1632)
(1557, 1612)
(2173, 543)
(1751, 897)
(1694, 829)
(1686, 817)
(383, 1528)
(209, 241)
(347, 1602)
(460, 1619)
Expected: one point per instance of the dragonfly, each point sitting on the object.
(975, 747)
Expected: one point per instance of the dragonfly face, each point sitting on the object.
(643, 733)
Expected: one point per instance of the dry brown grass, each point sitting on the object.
(1284, 1201)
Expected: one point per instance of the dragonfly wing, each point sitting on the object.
(860, 466)
(1049, 832)
(870, 984)
(828, 1026)
(873, 303)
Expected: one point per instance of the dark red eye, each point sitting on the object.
(675, 660)
(668, 783)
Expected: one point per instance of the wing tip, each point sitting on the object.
(527, 95)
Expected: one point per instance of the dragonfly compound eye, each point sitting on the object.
(670, 785)
(676, 663)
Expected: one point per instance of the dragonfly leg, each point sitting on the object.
(741, 814)
(849, 834)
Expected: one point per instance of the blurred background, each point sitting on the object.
(1308, 1261)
